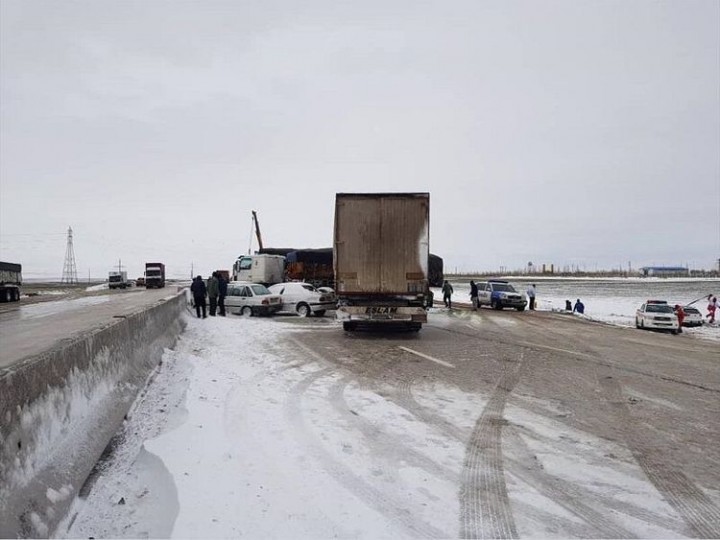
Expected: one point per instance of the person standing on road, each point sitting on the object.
(711, 309)
(579, 307)
(474, 295)
(213, 291)
(531, 297)
(199, 291)
(447, 291)
(222, 289)
(680, 312)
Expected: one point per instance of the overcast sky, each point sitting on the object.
(566, 132)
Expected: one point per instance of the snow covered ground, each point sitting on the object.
(241, 432)
(612, 300)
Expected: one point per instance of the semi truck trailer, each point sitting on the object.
(154, 275)
(380, 258)
(118, 280)
(10, 281)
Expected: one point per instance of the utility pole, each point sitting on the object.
(69, 274)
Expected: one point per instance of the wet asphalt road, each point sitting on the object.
(30, 327)
(612, 404)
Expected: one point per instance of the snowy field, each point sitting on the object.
(612, 301)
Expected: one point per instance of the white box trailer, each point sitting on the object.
(380, 256)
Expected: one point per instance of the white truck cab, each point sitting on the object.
(265, 269)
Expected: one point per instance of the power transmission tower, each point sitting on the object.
(69, 268)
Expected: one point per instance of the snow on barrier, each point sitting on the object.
(59, 410)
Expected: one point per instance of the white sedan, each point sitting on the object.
(656, 315)
(248, 299)
(304, 299)
(693, 317)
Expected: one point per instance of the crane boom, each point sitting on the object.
(257, 230)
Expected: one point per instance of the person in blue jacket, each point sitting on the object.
(579, 307)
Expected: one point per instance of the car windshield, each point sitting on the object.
(505, 287)
(658, 308)
(259, 290)
(692, 310)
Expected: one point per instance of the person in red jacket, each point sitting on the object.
(680, 312)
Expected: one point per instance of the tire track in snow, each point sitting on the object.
(484, 502)
(343, 473)
(696, 508)
(397, 446)
(565, 494)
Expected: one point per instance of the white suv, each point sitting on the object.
(304, 299)
(656, 315)
(250, 299)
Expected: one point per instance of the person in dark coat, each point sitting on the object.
(474, 295)
(579, 307)
(222, 288)
(213, 291)
(447, 291)
(199, 291)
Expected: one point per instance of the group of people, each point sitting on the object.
(579, 307)
(215, 289)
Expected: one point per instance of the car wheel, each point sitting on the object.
(303, 310)
(348, 326)
(495, 304)
(637, 323)
(642, 323)
(320, 313)
(520, 309)
(246, 311)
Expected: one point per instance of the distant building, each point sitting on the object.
(665, 271)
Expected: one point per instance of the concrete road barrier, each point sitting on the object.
(59, 410)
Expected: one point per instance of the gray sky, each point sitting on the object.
(566, 132)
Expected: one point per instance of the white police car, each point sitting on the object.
(657, 315)
(499, 294)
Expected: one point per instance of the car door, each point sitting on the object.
(641, 313)
(483, 293)
(236, 297)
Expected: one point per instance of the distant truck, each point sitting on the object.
(10, 281)
(264, 269)
(380, 254)
(154, 275)
(118, 280)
